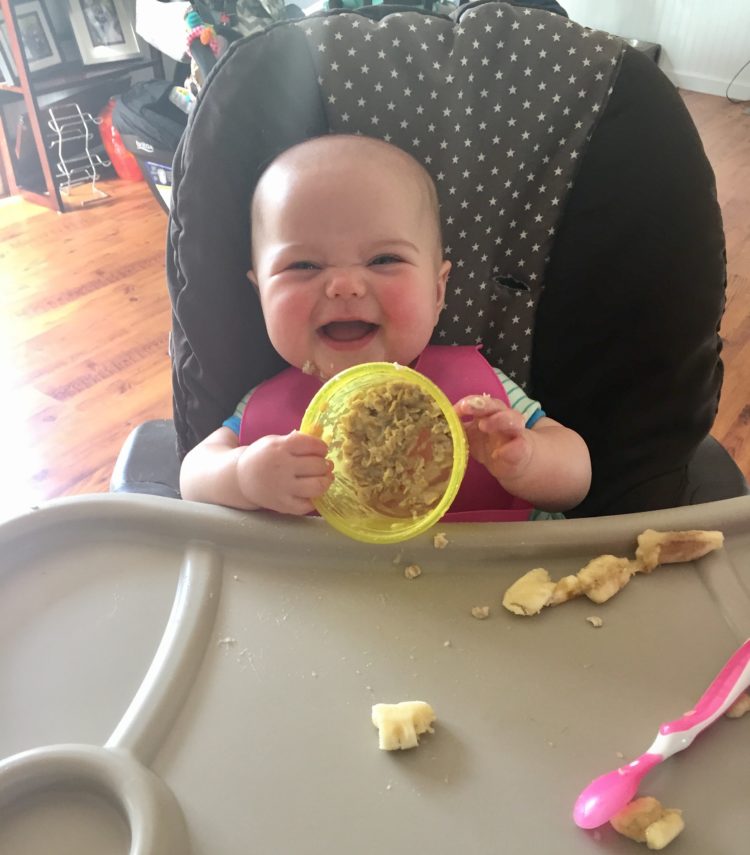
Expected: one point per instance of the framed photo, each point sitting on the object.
(7, 66)
(103, 30)
(36, 35)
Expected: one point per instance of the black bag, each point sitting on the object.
(151, 127)
(146, 113)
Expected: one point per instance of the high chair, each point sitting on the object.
(579, 213)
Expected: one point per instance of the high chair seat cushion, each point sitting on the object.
(579, 213)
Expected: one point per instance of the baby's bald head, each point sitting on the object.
(339, 160)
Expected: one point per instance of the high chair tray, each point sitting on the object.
(178, 678)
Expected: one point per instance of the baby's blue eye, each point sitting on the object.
(386, 259)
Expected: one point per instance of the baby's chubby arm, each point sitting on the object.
(547, 465)
(278, 473)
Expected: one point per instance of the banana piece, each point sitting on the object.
(606, 575)
(636, 816)
(671, 547)
(662, 832)
(646, 821)
(530, 594)
(603, 577)
(739, 707)
(400, 725)
(566, 589)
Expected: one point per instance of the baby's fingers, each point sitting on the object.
(298, 507)
(310, 487)
(301, 444)
(508, 422)
(312, 466)
(477, 406)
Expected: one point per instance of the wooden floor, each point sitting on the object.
(84, 320)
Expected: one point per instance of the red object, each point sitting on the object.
(125, 163)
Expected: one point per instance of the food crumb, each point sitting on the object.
(595, 621)
(226, 642)
(619, 755)
(440, 541)
(412, 571)
(739, 707)
(480, 612)
(313, 673)
(236, 578)
(447, 643)
(478, 402)
(309, 367)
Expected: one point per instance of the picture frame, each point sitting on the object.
(35, 34)
(8, 74)
(103, 30)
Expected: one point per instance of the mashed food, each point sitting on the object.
(396, 449)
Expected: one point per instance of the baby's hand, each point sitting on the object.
(283, 473)
(497, 436)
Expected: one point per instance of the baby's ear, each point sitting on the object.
(252, 279)
(445, 269)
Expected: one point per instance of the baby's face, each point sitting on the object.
(347, 264)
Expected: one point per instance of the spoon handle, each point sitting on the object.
(726, 687)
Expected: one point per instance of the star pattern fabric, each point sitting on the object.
(498, 105)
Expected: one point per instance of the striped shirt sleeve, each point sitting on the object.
(520, 401)
(235, 420)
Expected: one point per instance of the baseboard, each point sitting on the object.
(740, 89)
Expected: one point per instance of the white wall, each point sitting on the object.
(704, 42)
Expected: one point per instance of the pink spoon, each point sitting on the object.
(609, 793)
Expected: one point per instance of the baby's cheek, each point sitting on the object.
(288, 320)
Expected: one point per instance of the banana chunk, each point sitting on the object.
(662, 832)
(646, 821)
(566, 589)
(603, 577)
(635, 818)
(739, 707)
(671, 547)
(400, 725)
(530, 594)
(607, 575)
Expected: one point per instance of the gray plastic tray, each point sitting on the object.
(202, 680)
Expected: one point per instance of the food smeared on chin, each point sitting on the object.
(396, 449)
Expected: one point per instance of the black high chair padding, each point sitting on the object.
(580, 216)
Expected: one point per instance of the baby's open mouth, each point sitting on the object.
(347, 330)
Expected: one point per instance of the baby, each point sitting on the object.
(347, 263)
